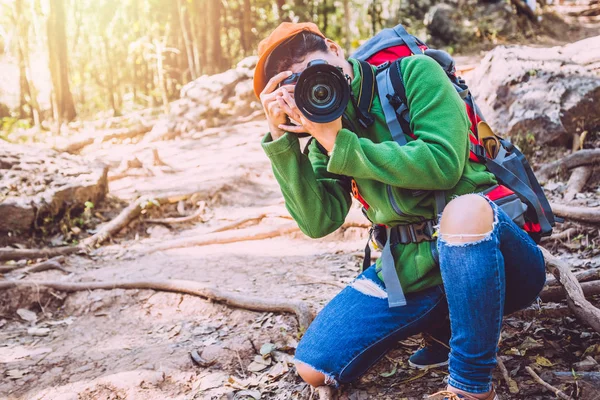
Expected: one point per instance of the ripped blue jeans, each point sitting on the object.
(482, 280)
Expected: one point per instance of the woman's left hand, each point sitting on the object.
(325, 133)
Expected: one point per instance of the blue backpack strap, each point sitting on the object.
(386, 91)
(408, 39)
(396, 297)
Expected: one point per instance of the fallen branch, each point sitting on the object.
(577, 181)
(576, 300)
(566, 234)
(557, 393)
(576, 159)
(584, 214)
(253, 303)
(583, 276)
(130, 212)
(28, 254)
(512, 385)
(558, 293)
(53, 263)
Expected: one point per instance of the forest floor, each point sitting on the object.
(136, 344)
(133, 344)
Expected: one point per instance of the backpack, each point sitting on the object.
(519, 193)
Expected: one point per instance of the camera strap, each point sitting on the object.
(365, 95)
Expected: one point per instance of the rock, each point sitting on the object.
(40, 184)
(445, 23)
(546, 93)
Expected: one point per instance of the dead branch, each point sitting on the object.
(253, 303)
(123, 133)
(566, 234)
(584, 276)
(240, 222)
(129, 213)
(544, 312)
(576, 300)
(239, 235)
(584, 214)
(53, 263)
(171, 221)
(577, 181)
(557, 393)
(558, 293)
(7, 253)
(512, 385)
(576, 159)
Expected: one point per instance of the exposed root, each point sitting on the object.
(584, 276)
(577, 181)
(576, 300)
(558, 293)
(558, 393)
(566, 234)
(576, 159)
(584, 214)
(28, 254)
(171, 221)
(253, 303)
(123, 133)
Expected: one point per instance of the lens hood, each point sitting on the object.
(322, 92)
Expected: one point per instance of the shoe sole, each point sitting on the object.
(417, 366)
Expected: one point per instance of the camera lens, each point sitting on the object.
(321, 94)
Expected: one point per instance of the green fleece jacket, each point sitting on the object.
(316, 189)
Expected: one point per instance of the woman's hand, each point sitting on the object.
(270, 99)
(324, 133)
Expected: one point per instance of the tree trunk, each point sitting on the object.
(22, 49)
(59, 63)
(214, 51)
(186, 39)
(247, 28)
(347, 35)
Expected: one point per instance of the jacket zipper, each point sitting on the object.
(393, 202)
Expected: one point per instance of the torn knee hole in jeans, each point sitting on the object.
(329, 379)
(369, 288)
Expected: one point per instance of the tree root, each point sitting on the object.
(583, 276)
(566, 234)
(584, 214)
(123, 133)
(171, 221)
(557, 393)
(576, 300)
(299, 308)
(576, 159)
(28, 254)
(239, 235)
(577, 181)
(558, 293)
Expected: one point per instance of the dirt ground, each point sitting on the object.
(134, 344)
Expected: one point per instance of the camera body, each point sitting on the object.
(322, 91)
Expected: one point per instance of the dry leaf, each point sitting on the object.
(255, 394)
(27, 315)
(543, 362)
(391, 373)
(35, 331)
(256, 367)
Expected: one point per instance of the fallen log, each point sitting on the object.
(576, 300)
(576, 159)
(583, 214)
(254, 303)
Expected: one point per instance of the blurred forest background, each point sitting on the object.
(62, 59)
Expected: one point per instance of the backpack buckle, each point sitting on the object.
(421, 232)
(394, 100)
(381, 67)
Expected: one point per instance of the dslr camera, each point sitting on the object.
(322, 91)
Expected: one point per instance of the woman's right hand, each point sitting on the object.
(273, 108)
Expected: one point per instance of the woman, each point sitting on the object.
(488, 266)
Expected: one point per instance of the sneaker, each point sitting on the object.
(434, 353)
(446, 395)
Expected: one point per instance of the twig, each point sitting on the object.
(566, 234)
(180, 220)
(576, 159)
(53, 263)
(512, 385)
(539, 380)
(584, 214)
(240, 222)
(576, 300)
(254, 303)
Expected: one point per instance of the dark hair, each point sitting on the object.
(293, 51)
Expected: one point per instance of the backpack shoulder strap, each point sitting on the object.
(365, 96)
(408, 39)
(389, 104)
